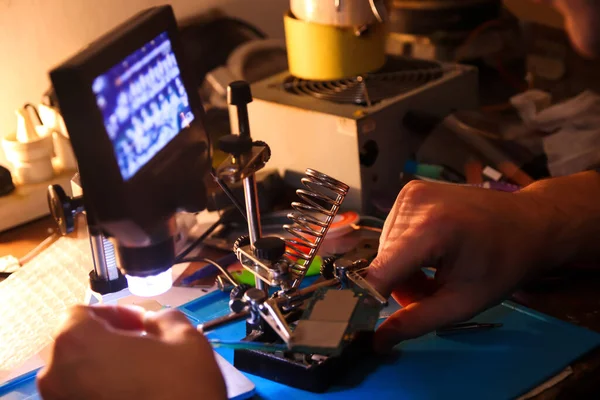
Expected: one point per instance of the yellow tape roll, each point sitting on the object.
(323, 52)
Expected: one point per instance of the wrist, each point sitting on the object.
(567, 218)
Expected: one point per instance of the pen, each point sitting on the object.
(473, 137)
(466, 327)
(439, 172)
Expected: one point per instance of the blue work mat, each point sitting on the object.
(502, 363)
(21, 388)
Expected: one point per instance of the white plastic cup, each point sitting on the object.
(63, 152)
(31, 161)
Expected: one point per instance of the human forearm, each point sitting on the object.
(571, 209)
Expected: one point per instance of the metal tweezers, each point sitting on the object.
(466, 327)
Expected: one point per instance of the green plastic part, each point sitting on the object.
(247, 278)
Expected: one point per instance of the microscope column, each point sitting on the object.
(238, 97)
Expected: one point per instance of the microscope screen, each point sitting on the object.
(143, 103)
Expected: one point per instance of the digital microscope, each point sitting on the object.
(131, 108)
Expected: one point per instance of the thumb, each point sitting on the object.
(397, 261)
(167, 323)
(444, 307)
(49, 386)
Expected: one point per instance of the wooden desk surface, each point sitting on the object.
(21, 240)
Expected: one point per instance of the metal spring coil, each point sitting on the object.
(311, 219)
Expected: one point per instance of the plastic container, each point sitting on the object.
(29, 152)
(326, 52)
(32, 161)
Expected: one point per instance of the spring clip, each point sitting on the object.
(312, 218)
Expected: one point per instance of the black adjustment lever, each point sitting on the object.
(239, 96)
(64, 208)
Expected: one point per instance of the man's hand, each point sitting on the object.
(482, 243)
(102, 353)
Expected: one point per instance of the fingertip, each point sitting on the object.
(387, 336)
(120, 317)
(415, 288)
(376, 277)
(165, 321)
(395, 265)
(41, 382)
(47, 384)
(41, 374)
(171, 316)
(443, 307)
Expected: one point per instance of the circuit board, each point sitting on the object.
(333, 319)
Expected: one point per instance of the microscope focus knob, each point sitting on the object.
(237, 303)
(6, 182)
(63, 208)
(238, 93)
(269, 248)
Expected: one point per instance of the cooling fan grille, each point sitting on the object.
(398, 76)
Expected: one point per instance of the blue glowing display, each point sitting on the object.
(143, 103)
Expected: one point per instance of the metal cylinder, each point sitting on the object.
(253, 213)
(103, 255)
(103, 252)
(224, 320)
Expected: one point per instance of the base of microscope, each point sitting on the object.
(102, 286)
(308, 372)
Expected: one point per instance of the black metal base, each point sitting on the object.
(102, 286)
(312, 373)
